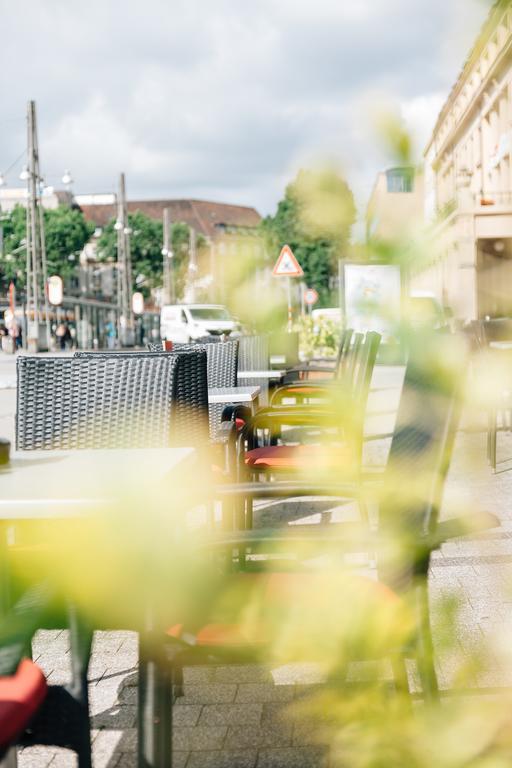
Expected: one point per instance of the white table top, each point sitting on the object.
(500, 344)
(49, 484)
(275, 374)
(233, 394)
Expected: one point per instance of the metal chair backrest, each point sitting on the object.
(343, 350)
(421, 450)
(357, 385)
(101, 400)
(351, 360)
(365, 363)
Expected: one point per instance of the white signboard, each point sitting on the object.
(372, 297)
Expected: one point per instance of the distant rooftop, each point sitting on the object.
(202, 215)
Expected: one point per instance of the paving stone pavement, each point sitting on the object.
(242, 716)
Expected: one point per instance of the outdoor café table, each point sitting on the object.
(53, 485)
(268, 374)
(236, 395)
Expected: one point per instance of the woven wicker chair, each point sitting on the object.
(222, 367)
(254, 356)
(111, 401)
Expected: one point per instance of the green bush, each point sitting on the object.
(319, 337)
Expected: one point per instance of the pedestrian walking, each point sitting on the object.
(62, 334)
(110, 331)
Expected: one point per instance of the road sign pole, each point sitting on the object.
(289, 290)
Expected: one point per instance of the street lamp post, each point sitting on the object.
(124, 269)
(167, 253)
(36, 248)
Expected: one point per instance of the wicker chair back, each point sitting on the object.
(96, 400)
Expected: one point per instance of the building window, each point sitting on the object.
(400, 180)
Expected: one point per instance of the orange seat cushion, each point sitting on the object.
(21, 695)
(256, 608)
(300, 458)
(303, 390)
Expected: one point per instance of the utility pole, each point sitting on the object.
(126, 330)
(168, 276)
(192, 266)
(37, 274)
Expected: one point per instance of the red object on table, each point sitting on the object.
(168, 346)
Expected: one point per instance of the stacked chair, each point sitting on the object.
(304, 370)
(409, 499)
(264, 452)
(306, 388)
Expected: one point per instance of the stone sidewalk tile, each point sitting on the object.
(310, 757)
(271, 735)
(202, 673)
(201, 737)
(208, 693)
(64, 758)
(231, 714)
(243, 673)
(302, 673)
(275, 712)
(188, 715)
(106, 745)
(35, 757)
(124, 760)
(308, 733)
(103, 696)
(117, 718)
(263, 692)
(105, 641)
(223, 759)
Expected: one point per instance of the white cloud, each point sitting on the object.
(223, 100)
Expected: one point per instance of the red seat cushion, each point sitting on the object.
(256, 609)
(21, 695)
(298, 458)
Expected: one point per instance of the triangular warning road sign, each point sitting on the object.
(287, 265)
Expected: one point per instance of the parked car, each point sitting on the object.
(186, 322)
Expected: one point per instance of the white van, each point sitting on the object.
(186, 322)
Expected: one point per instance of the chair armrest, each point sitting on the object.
(288, 489)
(320, 384)
(348, 536)
(465, 525)
(294, 414)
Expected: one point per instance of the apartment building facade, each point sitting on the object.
(468, 181)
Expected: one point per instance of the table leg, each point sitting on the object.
(155, 706)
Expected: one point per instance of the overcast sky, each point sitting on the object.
(222, 99)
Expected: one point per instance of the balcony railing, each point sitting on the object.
(493, 199)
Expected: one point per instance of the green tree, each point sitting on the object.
(66, 233)
(315, 219)
(146, 250)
